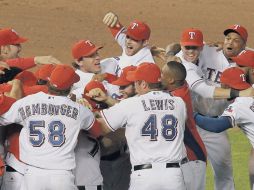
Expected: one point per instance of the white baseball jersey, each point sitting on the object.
(241, 112)
(85, 78)
(51, 125)
(195, 79)
(143, 55)
(154, 123)
(212, 63)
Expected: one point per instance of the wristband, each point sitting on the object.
(234, 93)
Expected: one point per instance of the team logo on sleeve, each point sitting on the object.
(229, 109)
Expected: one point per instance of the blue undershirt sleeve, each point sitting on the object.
(211, 124)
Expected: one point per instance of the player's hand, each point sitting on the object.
(158, 52)
(172, 49)
(3, 65)
(219, 45)
(46, 60)
(97, 94)
(110, 19)
(99, 77)
(85, 103)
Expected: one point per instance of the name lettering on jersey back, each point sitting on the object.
(164, 104)
(213, 75)
(48, 109)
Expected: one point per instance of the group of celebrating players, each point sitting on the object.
(125, 122)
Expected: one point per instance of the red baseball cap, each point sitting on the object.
(27, 78)
(44, 72)
(9, 36)
(122, 80)
(237, 29)
(84, 48)
(245, 58)
(138, 30)
(63, 77)
(148, 72)
(94, 84)
(192, 37)
(235, 78)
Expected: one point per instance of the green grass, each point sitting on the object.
(240, 148)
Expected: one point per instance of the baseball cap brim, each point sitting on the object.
(20, 40)
(192, 44)
(240, 62)
(242, 86)
(93, 51)
(121, 82)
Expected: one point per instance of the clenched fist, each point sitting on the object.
(110, 19)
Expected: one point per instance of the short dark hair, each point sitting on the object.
(55, 91)
(178, 71)
(9, 74)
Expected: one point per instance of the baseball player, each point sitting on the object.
(199, 60)
(154, 123)
(133, 40)
(10, 44)
(173, 78)
(87, 62)
(115, 158)
(238, 113)
(51, 126)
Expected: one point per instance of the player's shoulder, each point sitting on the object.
(243, 100)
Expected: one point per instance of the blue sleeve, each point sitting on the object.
(211, 124)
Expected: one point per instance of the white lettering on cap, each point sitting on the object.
(236, 26)
(89, 42)
(134, 25)
(192, 35)
(243, 77)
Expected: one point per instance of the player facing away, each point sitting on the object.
(154, 123)
(51, 124)
(173, 79)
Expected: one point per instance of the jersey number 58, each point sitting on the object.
(56, 131)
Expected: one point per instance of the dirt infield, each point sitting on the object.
(53, 25)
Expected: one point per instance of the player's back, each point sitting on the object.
(242, 113)
(51, 126)
(155, 127)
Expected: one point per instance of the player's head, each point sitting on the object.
(27, 78)
(10, 43)
(235, 40)
(43, 73)
(146, 77)
(137, 36)
(9, 74)
(126, 87)
(61, 80)
(245, 60)
(173, 75)
(234, 78)
(191, 44)
(86, 56)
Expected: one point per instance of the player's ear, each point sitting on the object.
(5, 49)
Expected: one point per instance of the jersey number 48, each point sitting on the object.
(168, 129)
